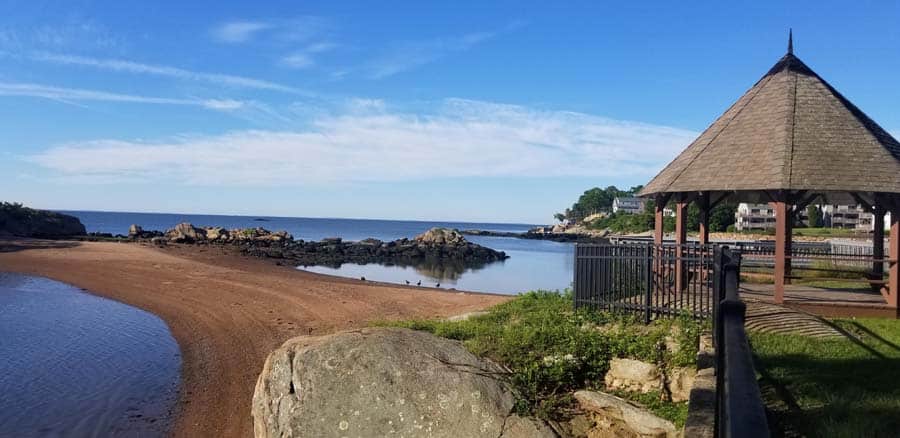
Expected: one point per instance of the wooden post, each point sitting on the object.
(894, 254)
(680, 241)
(658, 217)
(703, 205)
(878, 243)
(782, 246)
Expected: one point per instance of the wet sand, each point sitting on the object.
(227, 312)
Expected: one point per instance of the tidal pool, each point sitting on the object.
(75, 364)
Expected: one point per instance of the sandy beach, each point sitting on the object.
(226, 311)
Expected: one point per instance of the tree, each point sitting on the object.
(814, 215)
(559, 216)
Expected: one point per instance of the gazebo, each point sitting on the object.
(791, 140)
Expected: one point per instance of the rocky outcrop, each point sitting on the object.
(546, 233)
(615, 417)
(384, 382)
(440, 248)
(16, 220)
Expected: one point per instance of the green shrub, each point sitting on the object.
(552, 350)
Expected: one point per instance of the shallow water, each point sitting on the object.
(75, 364)
(533, 264)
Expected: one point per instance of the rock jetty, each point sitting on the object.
(437, 246)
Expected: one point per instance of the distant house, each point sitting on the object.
(628, 205)
(754, 217)
(762, 216)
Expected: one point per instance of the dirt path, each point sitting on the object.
(227, 312)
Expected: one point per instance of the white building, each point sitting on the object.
(754, 217)
(628, 205)
(762, 216)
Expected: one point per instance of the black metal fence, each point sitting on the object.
(740, 411)
(652, 280)
(667, 280)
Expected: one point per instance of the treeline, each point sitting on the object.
(597, 200)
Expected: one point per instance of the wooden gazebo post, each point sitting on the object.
(878, 241)
(680, 240)
(783, 218)
(703, 206)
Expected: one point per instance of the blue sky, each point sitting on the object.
(481, 111)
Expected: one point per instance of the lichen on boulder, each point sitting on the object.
(384, 382)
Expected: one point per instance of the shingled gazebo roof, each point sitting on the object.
(790, 131)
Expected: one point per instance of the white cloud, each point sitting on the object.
(406, 56)
(238, 31)
(77, 94)
(365, 142)
(298, 60)
(163, 70)
(305, 57)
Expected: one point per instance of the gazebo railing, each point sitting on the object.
(650, 280)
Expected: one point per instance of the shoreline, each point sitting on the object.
(227, 311)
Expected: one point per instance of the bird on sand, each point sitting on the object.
(407, 282)
(419, 283)
(437, 285)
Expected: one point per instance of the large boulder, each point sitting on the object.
(185, 232)
(441, 236)
(383, 382)
(17, 220)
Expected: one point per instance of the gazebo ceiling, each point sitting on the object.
(790, 131)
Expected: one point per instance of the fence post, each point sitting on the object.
(648, 295)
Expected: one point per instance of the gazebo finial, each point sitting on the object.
(790, 41)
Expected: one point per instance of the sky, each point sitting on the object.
(501, 111)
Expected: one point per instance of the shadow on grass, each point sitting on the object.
(841, 387)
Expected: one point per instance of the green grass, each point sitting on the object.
(553, 350)
(844, 387)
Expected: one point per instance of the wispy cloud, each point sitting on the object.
(77, 94)
(282, 30)
(364, 141)
(407, 56)
(81, 33)
(305, 57)
(120, 65)
(238, 31)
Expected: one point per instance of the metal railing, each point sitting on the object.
(739, 408)
(650, 280)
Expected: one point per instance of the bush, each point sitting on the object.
(552, 350)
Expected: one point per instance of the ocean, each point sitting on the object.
(533, 264)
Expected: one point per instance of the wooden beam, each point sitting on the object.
(878, 241)
(782, 246)
(680, 240)
(894, 255)
(659, 218)
(703, 206)
(715, 203)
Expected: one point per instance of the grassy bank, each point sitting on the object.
(552, 350)
(843, 387)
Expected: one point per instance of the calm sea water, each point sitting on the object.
(533, 264)
(75, 364)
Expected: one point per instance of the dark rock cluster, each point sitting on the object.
(435, 246)
(432, 246)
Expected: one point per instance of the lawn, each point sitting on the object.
(846, 387)
(552, 350)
